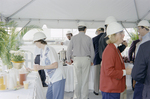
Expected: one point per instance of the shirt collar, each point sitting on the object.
(146, 37)
(116, 45)
(82, 33)
(44, 48)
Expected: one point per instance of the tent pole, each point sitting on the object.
(25, 25)
(2, 17)
(136, 11)
(7, 21)
(21, 8)
(145, 15)
(62, 33)
(125, 29)
(22, 29)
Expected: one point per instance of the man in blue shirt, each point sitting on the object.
(97, 59)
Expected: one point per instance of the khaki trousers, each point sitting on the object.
(123, 95)
(81, 77)
(97, 78)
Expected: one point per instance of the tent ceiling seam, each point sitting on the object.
(20, 9)
(68, 20)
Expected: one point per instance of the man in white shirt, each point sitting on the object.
(81, 47)
(69, 35)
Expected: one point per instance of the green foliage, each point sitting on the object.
(10, 39)
(134, 36)
(17, 58)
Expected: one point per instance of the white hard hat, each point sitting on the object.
(39, 36)
(68, 32)
(81, 24)
(113, 28)
(110, 19)
(144, 23)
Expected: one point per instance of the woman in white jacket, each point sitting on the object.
(51, 64)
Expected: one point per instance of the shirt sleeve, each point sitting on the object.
(53, 55)
(69, 51)
(131, 50)
(102, 44)
(124, 72)
(139, 70)
(93, 42)
(92, 51)
(66, 43)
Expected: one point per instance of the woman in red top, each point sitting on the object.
(112, 77)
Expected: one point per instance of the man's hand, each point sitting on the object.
(131, 61)
(62, 43)
(134, 82)
(125, 43)
(69, 63)
(91, 63)
(128, 70)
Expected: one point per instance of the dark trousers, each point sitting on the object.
(106, 95)
(41, 72)
(138, 90)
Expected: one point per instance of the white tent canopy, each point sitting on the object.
(67, 13)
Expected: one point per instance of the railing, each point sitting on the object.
(29, 59)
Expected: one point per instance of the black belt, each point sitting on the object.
(83, 56)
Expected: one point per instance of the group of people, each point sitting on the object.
(104, 51)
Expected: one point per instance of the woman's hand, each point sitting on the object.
(37, 67)
(29, 69)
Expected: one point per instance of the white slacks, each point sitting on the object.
(81, 77)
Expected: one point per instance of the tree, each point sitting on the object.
(134, 36)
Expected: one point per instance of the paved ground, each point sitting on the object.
(68, 95)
